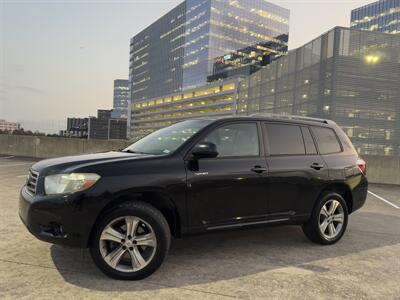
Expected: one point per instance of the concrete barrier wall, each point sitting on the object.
(381, 169)
(46, 147)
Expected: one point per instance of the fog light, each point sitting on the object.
(54, 230)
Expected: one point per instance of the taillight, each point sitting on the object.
(362, 165)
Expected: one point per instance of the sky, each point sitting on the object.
(59, 58)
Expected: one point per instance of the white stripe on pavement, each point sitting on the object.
(6, 157)
(384, 200)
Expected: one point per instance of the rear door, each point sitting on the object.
(295, 170)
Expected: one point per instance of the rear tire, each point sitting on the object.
(328, 221)
(131, 241)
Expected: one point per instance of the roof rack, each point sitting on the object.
(290, 117)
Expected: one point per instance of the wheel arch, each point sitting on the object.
(159, 200)
(343, 190)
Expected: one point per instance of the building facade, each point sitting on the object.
(104, 114)
(7, 126)
(382, 16)
(117, 129)
(121, 99)
(178, 51)
(77, 127)
(104, 127)
(247, 60)
(217, 99)
(349, 76)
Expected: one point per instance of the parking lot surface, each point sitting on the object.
(267, 263)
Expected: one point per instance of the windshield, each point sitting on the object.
(167, 140)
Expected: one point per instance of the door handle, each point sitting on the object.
(259, 169)
(317, 166)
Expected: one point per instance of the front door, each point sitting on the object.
(230, 188)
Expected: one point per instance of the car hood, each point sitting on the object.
(68, 163)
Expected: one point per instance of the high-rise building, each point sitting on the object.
(247, 60)
(349, 76)
(382, 16)
(121, 99)
(178, 51)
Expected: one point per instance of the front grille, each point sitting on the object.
(31, 183)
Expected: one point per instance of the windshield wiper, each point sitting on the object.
(131, 151)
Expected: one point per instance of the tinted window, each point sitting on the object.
(235, 140)
(346, 143)
(285, 139)
(168, 139)
(308, 141)
(326, 140)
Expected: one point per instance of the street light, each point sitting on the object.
(372, 59)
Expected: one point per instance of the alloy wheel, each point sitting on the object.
(128, 244)
(331, 219)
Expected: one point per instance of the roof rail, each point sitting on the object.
(290, 117)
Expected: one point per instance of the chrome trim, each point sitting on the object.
(31, 183)
(290, 117)
(246, 224)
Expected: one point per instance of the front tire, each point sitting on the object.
(328, 221)
(131, 241)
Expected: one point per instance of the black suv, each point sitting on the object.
(196, 176)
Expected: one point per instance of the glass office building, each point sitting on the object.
(349, 76)
(156, 56)
(177, 52)
(216, 99)
(247, 60)
(121, 99)
(223, 26)
(382, 16)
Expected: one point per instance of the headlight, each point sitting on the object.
(69, 183)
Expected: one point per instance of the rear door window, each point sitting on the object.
(285, 139)
(327, 140)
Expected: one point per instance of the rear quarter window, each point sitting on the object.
(327, 140)
(308, 141)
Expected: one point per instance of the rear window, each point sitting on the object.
(327, 140)
(285, 139)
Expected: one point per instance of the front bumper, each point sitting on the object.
(56, 219)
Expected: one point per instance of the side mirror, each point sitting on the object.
(205, 150)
